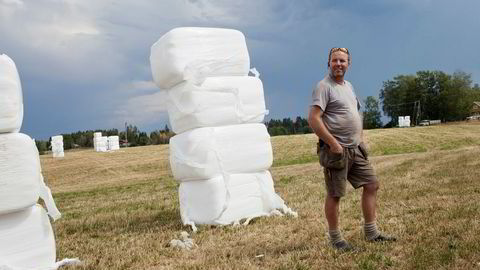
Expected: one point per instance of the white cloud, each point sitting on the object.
(8, 8)
(17, 3)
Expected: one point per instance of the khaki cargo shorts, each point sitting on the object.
(352, 165)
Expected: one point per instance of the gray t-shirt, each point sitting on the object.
(340, 111)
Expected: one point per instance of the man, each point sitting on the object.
(335, 119)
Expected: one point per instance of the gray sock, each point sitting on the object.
(370, 230)
(335, 236)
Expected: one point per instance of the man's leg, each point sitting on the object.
(369, 200)
(362, 175)
(331, 213)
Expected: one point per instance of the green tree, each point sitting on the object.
(41, 146)
(67, 141)
(132, 135)
(371, 114)
(287, 123)
(143, 139)
(440, 95)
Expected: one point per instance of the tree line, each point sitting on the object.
(287, 126)
(134, 137)
(432, 95)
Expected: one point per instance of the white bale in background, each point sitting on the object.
(217, 101)
(400, 121)
(27, 240)
(19, 172)
(95, 136)
(225, 201)
(11, 100)
(101, 144)
(57, 146)
(113, 143)
(204, 153)
(194, 53)
(406, 121)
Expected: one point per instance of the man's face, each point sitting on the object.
(338, 64)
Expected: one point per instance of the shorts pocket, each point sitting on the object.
(331, 160)
(363, 149)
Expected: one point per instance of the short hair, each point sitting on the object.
(336, 49)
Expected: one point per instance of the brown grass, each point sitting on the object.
(120, 210)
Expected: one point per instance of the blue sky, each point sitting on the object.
(84, 63)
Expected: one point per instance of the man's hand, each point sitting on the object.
(336, 148)
(316, 123)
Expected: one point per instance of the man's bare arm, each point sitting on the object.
(316, 123)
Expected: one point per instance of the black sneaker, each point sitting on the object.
(383, 238)
(343, 246)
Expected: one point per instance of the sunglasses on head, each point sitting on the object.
(345, 50)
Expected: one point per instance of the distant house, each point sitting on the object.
(475, 108)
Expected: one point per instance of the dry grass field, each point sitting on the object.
(120, 209)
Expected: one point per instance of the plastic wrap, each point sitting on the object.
(11, 100)
(228, 199)
(113, 143)
(27, 239)
(20, 172)
(204, 153)
(218, 101)
(194, 53)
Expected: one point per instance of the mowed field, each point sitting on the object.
(120, 209)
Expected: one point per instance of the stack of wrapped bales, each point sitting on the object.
(105, 143)
(404, 121)
(100, 142)
(26, 235)
(57, 146)
(222, 151)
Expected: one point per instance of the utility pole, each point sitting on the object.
(126, 135)
(419, 112)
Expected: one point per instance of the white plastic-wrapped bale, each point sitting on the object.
(101, 144)
(11, 100)
(401, 121)
(229, 198)
(21, 179)
(217, 101)
(19, 172)
(204, 153)
(113, 143)
(406, 121)
(194, 53)
(57, 146)
(96, 135)
(27, 240)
